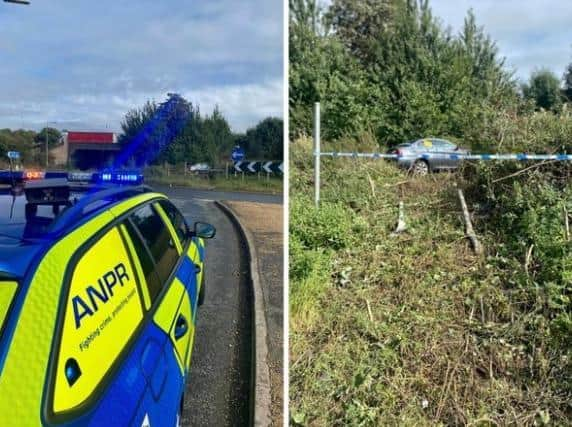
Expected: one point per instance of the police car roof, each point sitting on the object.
(23, 236)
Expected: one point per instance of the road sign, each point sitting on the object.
(265, 167)
(237, 154)
(14, 155)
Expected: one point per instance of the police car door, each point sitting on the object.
(103, 311)
(190, 248)
(173, 313)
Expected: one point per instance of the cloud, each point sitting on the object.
(529, 33)
(89, 62)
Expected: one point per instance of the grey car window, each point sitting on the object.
(421, 145)
(443, 145)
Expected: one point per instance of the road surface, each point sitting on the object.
(189, 193)
(219, 385)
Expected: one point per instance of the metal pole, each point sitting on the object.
(47, 156)
(317, 153)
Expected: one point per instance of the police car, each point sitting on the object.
(99, 289)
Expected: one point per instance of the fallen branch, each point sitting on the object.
(371, 319)
(469, 231)
(512, 175)
(527, 260)
(397, 184)
(401, 226)
(371, 184)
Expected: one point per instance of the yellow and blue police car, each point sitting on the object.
(99, 289)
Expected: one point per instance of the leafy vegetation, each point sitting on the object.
(389, 68)
(544, 90)
(175, 175)
(30, 144)
(414, 329)
(176, 131)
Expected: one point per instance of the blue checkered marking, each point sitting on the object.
(186, 274)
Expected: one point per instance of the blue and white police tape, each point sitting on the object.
(517, 157)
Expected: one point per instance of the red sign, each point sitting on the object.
(91, 137)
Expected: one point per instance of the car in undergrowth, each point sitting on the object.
(429, 155)
(99, 290)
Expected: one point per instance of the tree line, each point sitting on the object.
(176, 131)
(391, 69)
(29, 143)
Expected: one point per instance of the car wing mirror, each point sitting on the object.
(204, 230)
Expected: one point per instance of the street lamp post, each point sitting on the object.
(47, 151)
(27, 2)
(47, 147)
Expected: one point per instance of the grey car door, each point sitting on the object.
(447, 149)
(429, 146)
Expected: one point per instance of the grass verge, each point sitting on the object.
(249, 183)
(413, 329)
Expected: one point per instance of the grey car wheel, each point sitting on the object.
(420, 167)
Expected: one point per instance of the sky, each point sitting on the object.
(530, 34)
(81, 65)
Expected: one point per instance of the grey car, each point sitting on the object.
(428, 155)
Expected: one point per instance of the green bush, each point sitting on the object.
(329, 227)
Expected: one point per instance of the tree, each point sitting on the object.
(22, 141)
(174, 132)
(389, 68)
(568, 83)
(359, 23)
(149, 131)
(306, 14)
(543, 88)
(136, 135)
(54, 136)
(265, 140)
(211, 139)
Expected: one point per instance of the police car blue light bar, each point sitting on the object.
(120, 177)
(107, 177)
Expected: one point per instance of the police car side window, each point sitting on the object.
(158, 239)
(147, 264)
(177, 220)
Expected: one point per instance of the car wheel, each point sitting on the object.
(420, 167)
(202, 292)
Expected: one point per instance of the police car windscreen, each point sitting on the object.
(15, 225)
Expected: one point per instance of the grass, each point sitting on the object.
(250, 183)
(410, 329)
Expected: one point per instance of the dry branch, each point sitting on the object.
(469, 231)
(401, 226)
